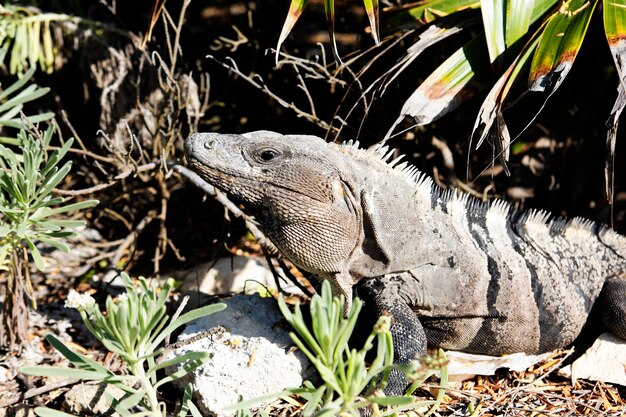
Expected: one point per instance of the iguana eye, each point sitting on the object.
(268, 154)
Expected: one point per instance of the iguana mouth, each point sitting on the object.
(220, 178)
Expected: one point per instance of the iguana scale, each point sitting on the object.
(452, 271)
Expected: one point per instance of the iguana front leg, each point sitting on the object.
(613, 305)
(384, 295)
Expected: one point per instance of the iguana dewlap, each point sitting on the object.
(452, 271)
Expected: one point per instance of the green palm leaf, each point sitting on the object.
(371, 8)
(490, 122)
(329, 10)
(493, 20)
(559, 45)
(429, 11)
(457, 79)
(614, 13)
(519, 14)
(465, 72)
(295, 11)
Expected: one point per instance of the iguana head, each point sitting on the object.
(291, 184)
(258, 166)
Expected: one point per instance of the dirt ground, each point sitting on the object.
(130, 105)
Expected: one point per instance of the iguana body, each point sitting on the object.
(451, 270)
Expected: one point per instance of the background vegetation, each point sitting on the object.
(128, 81)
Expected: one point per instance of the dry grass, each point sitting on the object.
(536, 392)
(519, 394)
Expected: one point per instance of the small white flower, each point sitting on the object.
(122, 297)
(79, 301)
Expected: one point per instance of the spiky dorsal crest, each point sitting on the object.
(579, 224)
(351, 144)
(540, 220)
(477, 207)
(498, 207)
(382, 154)
(534, 221)
(537, 217)
(612, 239)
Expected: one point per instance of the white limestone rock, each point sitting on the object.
(464, 366)
(605, 361)
(252, 352)
(227, 275)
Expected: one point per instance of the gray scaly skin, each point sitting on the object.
(452, 271)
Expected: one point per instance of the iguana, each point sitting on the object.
(451, 270)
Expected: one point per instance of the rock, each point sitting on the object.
(239, 274)
(605, 361)
(227, 276)
(88, 399)
(463, 365)
(252, 354)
